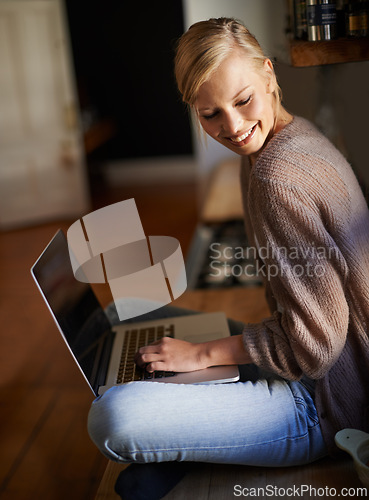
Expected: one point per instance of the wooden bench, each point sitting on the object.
(323, 479)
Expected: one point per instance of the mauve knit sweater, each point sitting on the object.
(305, 212)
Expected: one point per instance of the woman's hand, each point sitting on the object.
(171, 355)
(176, 355)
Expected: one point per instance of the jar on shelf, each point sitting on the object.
(321, 18)
(300, 24)
(353, 18)
(364, 18)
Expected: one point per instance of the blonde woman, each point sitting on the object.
(305, 369)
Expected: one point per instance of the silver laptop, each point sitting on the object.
(105, 353)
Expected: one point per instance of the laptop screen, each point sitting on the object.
(74, 306)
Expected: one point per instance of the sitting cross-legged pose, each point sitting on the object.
(305, 368)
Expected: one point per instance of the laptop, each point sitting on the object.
(105, 353)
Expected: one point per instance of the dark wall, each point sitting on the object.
(123, 55)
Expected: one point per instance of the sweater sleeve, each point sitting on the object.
(306, 273)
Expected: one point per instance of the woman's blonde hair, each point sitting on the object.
(205, 45)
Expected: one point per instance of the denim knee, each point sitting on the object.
(112, 425)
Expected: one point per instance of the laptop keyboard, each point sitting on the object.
(133, 340)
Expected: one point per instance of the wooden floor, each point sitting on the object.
(45, 452)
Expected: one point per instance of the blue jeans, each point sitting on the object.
(261, 420)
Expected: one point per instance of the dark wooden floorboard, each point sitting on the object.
(45, 450)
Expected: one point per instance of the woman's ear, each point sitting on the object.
(271, 78)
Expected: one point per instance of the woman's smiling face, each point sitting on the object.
(236, 105)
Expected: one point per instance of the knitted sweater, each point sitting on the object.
(306, 214)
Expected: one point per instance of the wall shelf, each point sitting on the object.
(343, 50)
